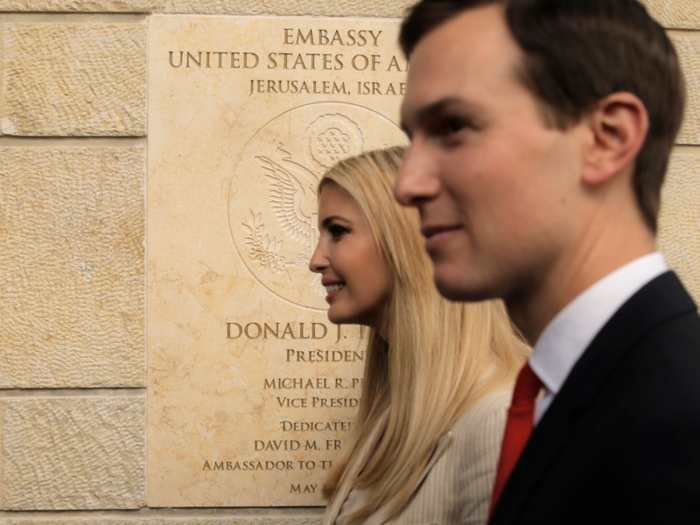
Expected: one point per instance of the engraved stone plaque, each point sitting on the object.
(252, 392)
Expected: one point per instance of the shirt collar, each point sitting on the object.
(568, 335)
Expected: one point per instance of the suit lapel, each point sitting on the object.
(442, 446)
(661, 300)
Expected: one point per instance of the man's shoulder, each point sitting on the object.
(626, 450)
(664, 366)
(674, 341)
(619, 442)
(642, 371)
(653, 389)
(654, 333)
(667, 350)
(658, 302)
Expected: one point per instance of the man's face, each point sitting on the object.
(496, 186)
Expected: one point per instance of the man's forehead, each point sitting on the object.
(472, 51)
(472, 29)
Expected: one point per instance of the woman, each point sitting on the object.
(438, 375)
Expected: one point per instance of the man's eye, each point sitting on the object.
(454, 124)
(448, 128)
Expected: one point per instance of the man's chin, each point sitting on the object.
(457, 290)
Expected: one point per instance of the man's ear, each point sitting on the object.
(618, 124)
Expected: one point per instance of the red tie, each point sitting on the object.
(518, 428)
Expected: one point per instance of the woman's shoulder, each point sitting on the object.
(475, 448)
(482, 425)
(457, 489)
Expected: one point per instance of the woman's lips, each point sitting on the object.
(333, 290)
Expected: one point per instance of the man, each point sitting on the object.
(540, 135)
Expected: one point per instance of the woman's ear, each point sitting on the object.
(618, 124)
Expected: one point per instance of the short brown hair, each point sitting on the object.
(577, 52)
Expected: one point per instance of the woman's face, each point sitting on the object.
(356, 276)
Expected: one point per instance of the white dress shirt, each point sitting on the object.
(568, 335)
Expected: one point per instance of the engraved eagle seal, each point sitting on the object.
(333, 137)
(293, 200)
(273, 208)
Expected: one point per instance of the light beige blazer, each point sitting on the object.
(455, 487)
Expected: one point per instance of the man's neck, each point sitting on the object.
(573, 273)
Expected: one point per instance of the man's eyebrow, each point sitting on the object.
(429, 112)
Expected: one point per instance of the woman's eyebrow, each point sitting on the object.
(329, 220)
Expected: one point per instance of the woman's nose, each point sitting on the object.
(319, 260)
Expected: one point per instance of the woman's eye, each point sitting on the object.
(337, 231)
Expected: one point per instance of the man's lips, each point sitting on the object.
(438, 236)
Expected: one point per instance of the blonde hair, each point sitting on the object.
(438, 358)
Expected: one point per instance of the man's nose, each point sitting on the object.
(417, 180)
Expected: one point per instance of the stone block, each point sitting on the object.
(104, 6)
(72, 267)
(228, 520)
(681, 14)
(74, 453)
(678, 14)
(688, 48)
(382, 8)
(0, 88)
(679, 222)
(74, 79)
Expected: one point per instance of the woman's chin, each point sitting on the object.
(338, 316)
(348, 320)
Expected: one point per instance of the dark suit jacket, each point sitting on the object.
(620, 443)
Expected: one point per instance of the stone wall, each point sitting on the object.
(72, 236)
